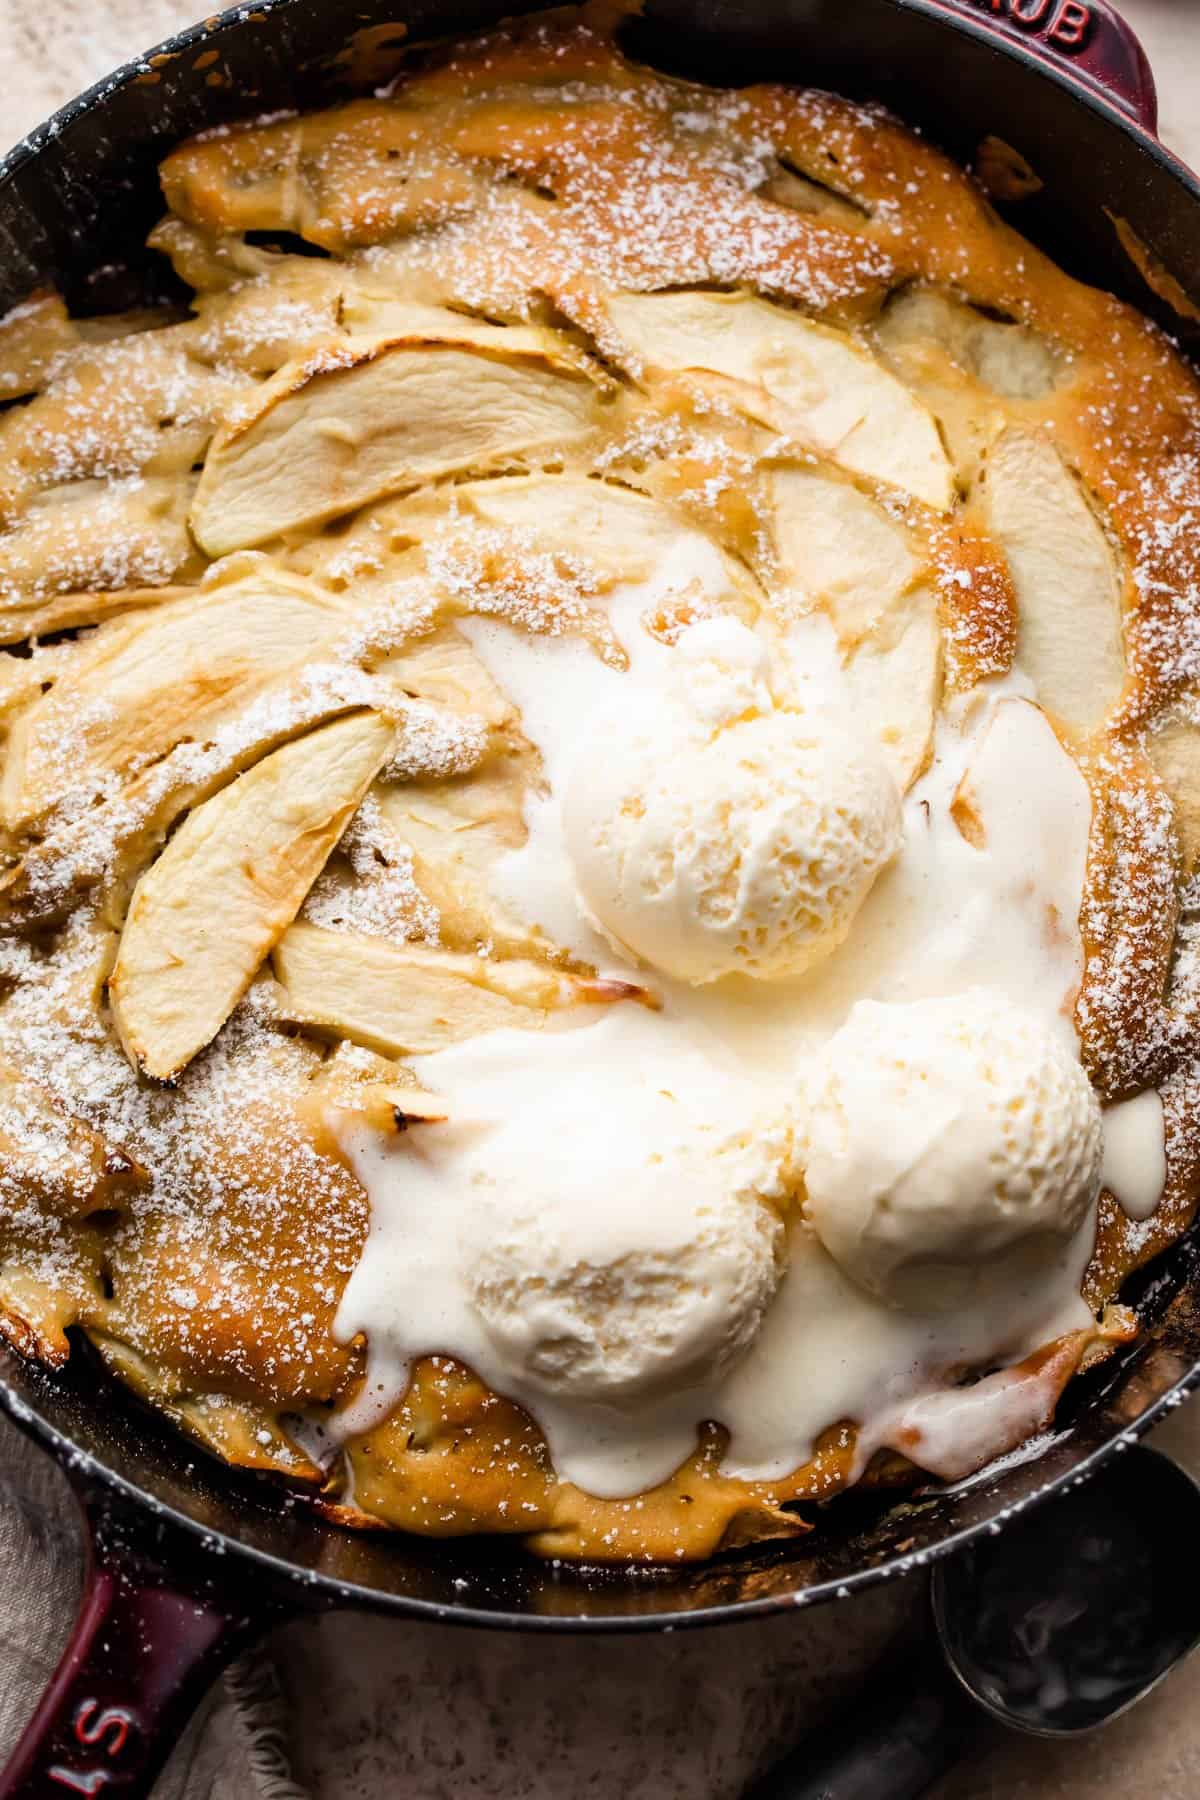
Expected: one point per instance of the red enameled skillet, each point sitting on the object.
(188, 1558)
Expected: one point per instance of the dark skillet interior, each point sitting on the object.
(80, 196)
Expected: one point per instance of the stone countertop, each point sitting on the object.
(380, 1709)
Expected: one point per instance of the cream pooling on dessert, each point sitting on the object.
(606, 1263)
(637, 1253)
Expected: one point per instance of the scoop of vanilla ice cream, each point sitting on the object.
(720, 832)
(576, 1319)
(642, 1249)
(943, 1133)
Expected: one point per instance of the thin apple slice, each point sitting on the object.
(379, 414)
(393, 1109)
(838, 550)
(405, 999)
(1173, 748)
(458, 831)
(1069, 640)
(895, 678)
(229, 884)
(381, 1090)
(365, 313)
(147, 684)
(617, 533)
(33, 336)
(238, 1431)
(1006, 357)
(553, 542)
(71, 611)
(134, 403)
(94, 534)
(24, 679)
(37, 1307)
(811, 379)
(107, 846)
(443, 668)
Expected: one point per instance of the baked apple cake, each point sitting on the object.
(600, 797)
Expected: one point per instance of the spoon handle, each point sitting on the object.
(894, 1746)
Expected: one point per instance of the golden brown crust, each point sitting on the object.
(523, 181)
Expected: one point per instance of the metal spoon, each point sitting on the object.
(1056, 1625)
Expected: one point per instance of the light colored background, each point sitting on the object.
(353, 1709)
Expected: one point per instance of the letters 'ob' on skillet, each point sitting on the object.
(190, 1559)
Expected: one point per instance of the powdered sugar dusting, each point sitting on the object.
(384, 898)
(520, 179)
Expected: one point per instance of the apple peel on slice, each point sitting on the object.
(227, 886)
(408, 999)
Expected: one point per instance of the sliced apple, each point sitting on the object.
(376, 314)
(378, 414)
(1008, 358)
(379, 1089)
(107, 845)
(290, 308)
(895, 678)
(227, 886)
(1173, 748)
(405, 999)
(970, 416)
(133, 403)
(579, 536)
(238, 1431)
(38, 1308)
(94, 535)
(1069, 640)
(149, 683)
(457, 831)
(839, 550)
(809, 379)
(32, 338)
(395, 1108)
(622, 535)
(70, 612)
(24, 679)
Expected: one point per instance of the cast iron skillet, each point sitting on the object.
(188, 1558)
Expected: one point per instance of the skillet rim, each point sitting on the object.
(142, 1508)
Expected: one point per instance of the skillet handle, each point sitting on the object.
(155, 1625)
(913, 1724)
(1087, 40)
